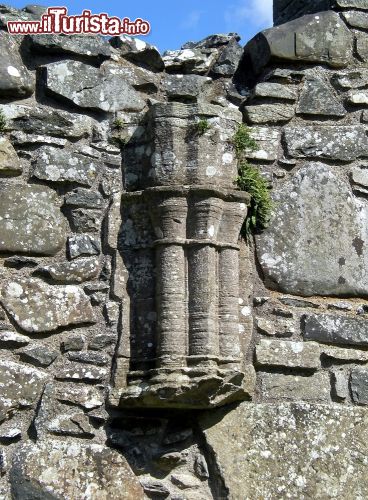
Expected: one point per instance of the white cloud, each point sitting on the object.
(255, 12)
(192, 20)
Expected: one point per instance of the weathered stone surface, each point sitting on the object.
(138, 52)
(71, 370)
(189, 60)
(73, 272)
(362, 45)
(212, 41)
(288, 353)
(88, 357)
(335, 329)
(277, 386)
(30, 220)
(39, 355)
(9, 161)
(89, 87)
(289, 301)
(15, 80)
(354, 79)
(84, 198)
(324, 39)
(339, 381)
(358, 97)
(228, 60)
(268, 113)
(359, 386)
(359, 176)
(37, 307)
(61, 165)
(276, 90)
(10, 339)
(356, 19)
(268, 141)
(318, 98)
(345, 143)
(279, 327)
(310, 258)
(83, 244)
(74, 342)
(86, 46)
(52, 469)
(287, 450)
(20, 387)
(188, 87)
(85, 221)
(101, 341)
(86, 397)
(341, 354)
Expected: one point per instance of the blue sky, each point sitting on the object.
(175, 22)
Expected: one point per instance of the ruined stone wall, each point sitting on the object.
(133, 318)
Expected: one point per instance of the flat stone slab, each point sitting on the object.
(37, 307)
(288, 354)
(15, 79)
(30, 220)
(316, 242)
(279, 387)
(335, 329)
(72, 470)
(289, 450)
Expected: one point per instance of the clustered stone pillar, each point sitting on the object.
(194, 236)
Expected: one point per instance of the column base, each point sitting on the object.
(185, 388)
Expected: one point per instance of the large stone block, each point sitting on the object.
(323, 39)
(15, 80)
(316, 243)
(288, 354)
(72, 470)
(288, 450)
(279, 387)
(30, 220)
(335, 329)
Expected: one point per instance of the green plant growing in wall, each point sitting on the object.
(2, 121)
(118, 124)
(251, 180)
(202, 126)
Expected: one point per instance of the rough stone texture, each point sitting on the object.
(268, 141)
(280, 387)
(25, 300)
(318, 98)
(15, 79)
(10, 163)
(20, 386)
(336, 329)
(30, 220)
(289, 450)
(276, 90)
(52, 469)
(356, 19)
(87, 46)
(287, 353)
(60, 165)
(268, 113)
(73, 272)
(345, 143)
(139, 52)
(88, 87)
(324, 258)
(308, 39)
(359, 386)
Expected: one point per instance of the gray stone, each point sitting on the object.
(228, 60)
(74, 342)
(355, 4)
(362, 45)
(356, 19)
(276, 90)
(71, 424)
(278, 327)
(20, 387)
(185, 87)
(21, 139)
(289, 354)
(212, 41)
(84, 198)
(52, 122)
(318, 98)
(73, 272)
(268, 141)
(85, 46)
(297, 450)
(37, 307)
(83, 244)
(325, 40)
(101, 341)
(19, 262)
(277, 386)
(30, 220)
(340, 306)
(339, 384)
(86, 397)
(359, 175)
(302, 257)
(359, 386)
(353, 79)
(63, 166)
(71, 370)
(28, 13)
(89, 87)
(288, 301)
(268, 113)
(138, 52)
(341, 354)
(15, 80)
(88, 358)
(105, 474)
(9, 161)
(335, 329)
(345, 143)
(189, 61)
(38, 355)
(358, 97)
(12, 340)
(85, 221)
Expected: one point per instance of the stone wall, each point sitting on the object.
(131, 311)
